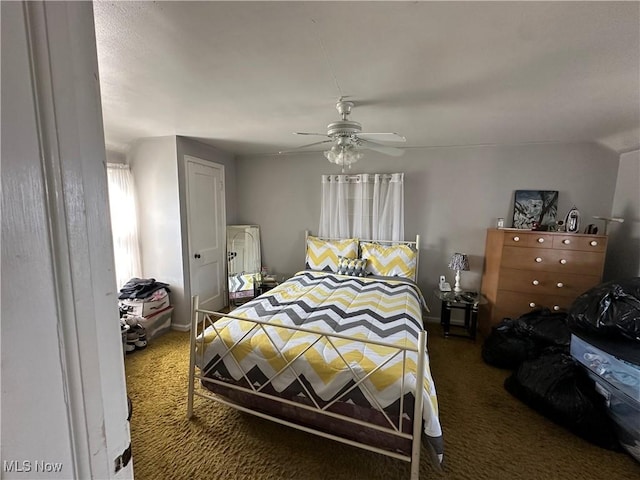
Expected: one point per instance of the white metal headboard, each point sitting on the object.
(411, 243)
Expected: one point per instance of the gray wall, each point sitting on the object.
(624, 239)
(452, 195)
(159, 175)
(155, 174)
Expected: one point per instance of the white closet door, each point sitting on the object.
(206, 230)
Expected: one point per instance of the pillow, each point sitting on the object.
(323, 254)
(390, 261)
(355, 267)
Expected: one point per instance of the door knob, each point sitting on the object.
(197, 255)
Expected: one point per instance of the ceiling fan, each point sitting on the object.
(348, 139)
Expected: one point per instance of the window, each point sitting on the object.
(124, 223)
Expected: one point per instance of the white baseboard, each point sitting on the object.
(181, 328)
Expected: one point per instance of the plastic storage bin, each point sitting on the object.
(618, 382)
(623, 375)
(625, 413)
(158, 323)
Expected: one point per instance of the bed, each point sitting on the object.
(337, 350)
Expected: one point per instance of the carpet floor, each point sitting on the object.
(488, 433)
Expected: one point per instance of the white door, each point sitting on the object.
(207, 234)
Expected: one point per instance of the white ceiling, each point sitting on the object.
(243, 76)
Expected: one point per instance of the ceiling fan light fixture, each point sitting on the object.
(343, 155)
(348, 139)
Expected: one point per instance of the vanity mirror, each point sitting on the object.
(243, 262)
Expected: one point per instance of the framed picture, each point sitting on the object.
(535, 209)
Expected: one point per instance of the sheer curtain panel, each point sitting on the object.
(124, 223)
(334, 211)
(368, 206)
(387, 219)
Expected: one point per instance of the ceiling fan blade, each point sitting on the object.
(305, 146)
(393, 151)
(382, 137)
(308, 133)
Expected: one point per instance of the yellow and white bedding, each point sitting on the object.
(386, 310)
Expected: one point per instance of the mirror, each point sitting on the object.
(243, 261)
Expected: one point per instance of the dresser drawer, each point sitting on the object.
(547, 283)
(515, 304)
(580, 242)
(525, 270)
(547, 260)
(528, 239)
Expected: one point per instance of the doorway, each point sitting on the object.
(206, 230)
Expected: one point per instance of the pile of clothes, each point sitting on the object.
(145, 311)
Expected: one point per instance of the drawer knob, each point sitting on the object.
(541, 240)
(556, 308)
(566, 241)
(516, 239)
(536, 282)
(563, 261)
(593, 243)
(560, 284)
(532, 305)
(538, 259)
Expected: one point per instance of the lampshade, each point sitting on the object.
(343, 155)
(459, 261)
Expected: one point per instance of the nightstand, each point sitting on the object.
(264, 287)
(467, 301)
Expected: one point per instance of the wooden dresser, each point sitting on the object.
(525, 269)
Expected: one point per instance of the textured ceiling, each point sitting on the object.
(243, 76)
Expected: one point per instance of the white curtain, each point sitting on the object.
(124, 223)
(362, 201)
(334, 212)
(369, 206)
(387, 219)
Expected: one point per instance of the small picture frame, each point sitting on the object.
(535, 209)
(572, 221)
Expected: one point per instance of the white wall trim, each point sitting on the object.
(181, 328)
(70, 139)
(36, 24)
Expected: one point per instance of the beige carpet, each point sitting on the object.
(488, 433)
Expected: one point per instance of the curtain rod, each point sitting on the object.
(357, 178)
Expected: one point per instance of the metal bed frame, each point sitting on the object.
(201, 319)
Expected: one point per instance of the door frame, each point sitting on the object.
(78, 297)
(188, 281)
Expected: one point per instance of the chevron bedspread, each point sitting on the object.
(387, 310)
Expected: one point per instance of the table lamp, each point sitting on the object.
(458, 262)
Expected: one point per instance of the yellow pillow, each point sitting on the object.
(323, 254)
(391, 260)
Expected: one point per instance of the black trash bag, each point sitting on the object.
(507, 347)
(545, 327)
(557, 387)
(611, 309)
(513, 341)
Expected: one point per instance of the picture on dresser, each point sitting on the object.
(535, 209)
